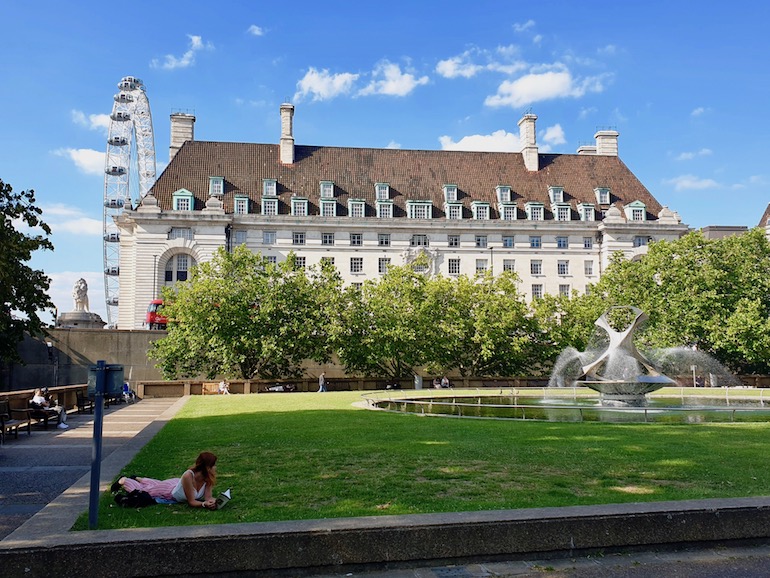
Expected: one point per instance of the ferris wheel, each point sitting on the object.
(129, 172)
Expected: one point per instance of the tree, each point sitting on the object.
(240, 315)
(23, 290)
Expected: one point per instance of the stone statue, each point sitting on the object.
(80, 295)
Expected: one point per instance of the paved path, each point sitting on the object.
(44, 481)
(36, 470)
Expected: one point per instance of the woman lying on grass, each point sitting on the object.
(194, 487)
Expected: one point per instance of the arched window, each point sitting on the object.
(177, 268)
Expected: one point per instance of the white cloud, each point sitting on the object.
(92, 121)
(690, 183)
(170, 62)
(458, 66)
(609, 49)
(554, 135)
(521, 27)
(324, 86)
(389, 80)
(700, 111)
(686, 156)
(67, 219)
(88, 161)
(586, 112)
(393, 145)
(532, 88)
(464, 65)
(498, 141)
(255, 30)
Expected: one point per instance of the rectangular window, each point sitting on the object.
(453, 240)
(239, 237)
(587, 212)
(383, 191)
(383, 264)
(327, 238)
(269, 187)
(268, 237)
(536, 213)
(272, 259)
(537, 291)
(536, 267)
(299, 207)
(328, 208)
(637, 215)
(420, 210)
(588, 268)
(181, 267)
(481, 266)
(357, 285)
(509, 213)
(329, 260)
(327, 190)
(509, 265)
(562, 242)
(481, 241)
(300, 262)
(588, 242)
(562, 267)
(241, 205)
(384, 211)
(450, 193)
(535, 242)
(640, 241)
(182, 203)
(602, 196)
(481, 212)
(420, 267)
(503, 194)
(216, 186)
(419, 241)
(556, 194)
(180, 233)
(508, 241)
(356, 239)
(356, 208)
(454, 266)
(563, 214)
(356, 264)
(269, 206)
(455, 212)
(383, 239)
(564, 290)
(298, 238)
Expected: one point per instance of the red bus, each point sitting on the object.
(154, 318)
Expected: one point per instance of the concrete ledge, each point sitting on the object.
(301, 547)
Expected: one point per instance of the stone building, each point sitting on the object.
(554, 219)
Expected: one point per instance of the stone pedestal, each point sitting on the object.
(80, 320)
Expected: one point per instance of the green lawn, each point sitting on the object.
(309, 455)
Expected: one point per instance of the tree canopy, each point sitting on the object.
(23, 290)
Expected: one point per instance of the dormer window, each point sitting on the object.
(241, 205)
(508, 211)
(503, 193)
(480, 210)
(269, 187)
(183, 200)
(586, 212)
(450, 193)
(419, 209)
(216, 186)
(562, 212)
(327, 189)
(384, 209)
(556, 194)
(602, 195)
(328, 208)
(269, 206)
(535, 211)
(299, 207)
(636, 211)
(356, 208)
(382, 191)
(454, 211)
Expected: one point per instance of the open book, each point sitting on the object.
(223, 498)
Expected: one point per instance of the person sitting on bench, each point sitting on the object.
(41, 401)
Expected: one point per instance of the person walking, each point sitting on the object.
(322, 382)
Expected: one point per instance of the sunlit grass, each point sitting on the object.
(309, 455)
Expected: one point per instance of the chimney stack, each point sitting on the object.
(287, 134)
(528, 138)
(182, 129)
(607, 143)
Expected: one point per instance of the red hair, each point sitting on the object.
(205, 465)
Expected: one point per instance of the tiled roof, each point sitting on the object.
(412, 174)
(765, 217)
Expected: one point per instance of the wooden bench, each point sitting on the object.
(9, 424)
(41, 415)
(210, 388)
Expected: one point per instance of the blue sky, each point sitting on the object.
(685, 84)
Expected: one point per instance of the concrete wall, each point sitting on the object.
(73, 351)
